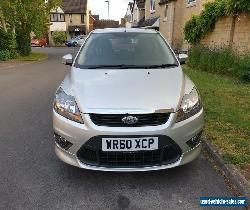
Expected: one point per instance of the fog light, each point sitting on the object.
(193, 142)
(62, 142)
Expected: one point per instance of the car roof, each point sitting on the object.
(121, 30)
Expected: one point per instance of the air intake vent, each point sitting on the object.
(139, 120)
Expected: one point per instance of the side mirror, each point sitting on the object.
(182, 58)
(67, 60)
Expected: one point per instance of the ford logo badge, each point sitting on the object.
(130, 120)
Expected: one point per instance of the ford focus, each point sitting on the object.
(126, 105)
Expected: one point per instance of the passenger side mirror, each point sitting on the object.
(182, 58)
(67, 60)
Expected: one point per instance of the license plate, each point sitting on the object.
(130, 144)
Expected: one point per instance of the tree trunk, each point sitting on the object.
(4, 24)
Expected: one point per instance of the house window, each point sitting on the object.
(129, 18)
(152, 5)
(61, 18)
(82, 18)
(57, 17)
(166, 12)
(190, 2)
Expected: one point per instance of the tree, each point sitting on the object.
(32, 16)
(25, 16)
(7, 12)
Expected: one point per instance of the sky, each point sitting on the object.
(118, 8)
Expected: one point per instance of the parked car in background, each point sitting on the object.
(182, 54)
(35, 42)
(81, 41)
(77, 41)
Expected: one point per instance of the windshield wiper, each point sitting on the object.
(124, 66)
(161, 66)
(110, 66)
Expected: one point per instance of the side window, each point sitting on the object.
(57, 17)
(152, 5)
(53, 17)
(191, 2)
(61, 18)
(82, 18)
(166, 12)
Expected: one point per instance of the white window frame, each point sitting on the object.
(166, 11)
(191, 3)
(152, 6)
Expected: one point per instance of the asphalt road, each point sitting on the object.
(31, 176)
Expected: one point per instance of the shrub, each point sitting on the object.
(7, 45)
(242, 68)
(23, 42)
(198, 26)
(4, 55)
(220, 60)
(59, 37)
(7, 40)
(13, 54)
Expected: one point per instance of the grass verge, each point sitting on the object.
(227, 121)
(34, 56)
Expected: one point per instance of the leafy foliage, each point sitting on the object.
(4, 55)
(59, 37)
(25, 16)
(7, 40)
(221, 61)
(7, 45)
(198, 26)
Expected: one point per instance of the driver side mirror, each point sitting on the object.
(67, 60)
(182, 58)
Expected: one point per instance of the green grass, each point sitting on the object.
(34, 56)
(227, 114)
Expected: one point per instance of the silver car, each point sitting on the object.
(126, 105)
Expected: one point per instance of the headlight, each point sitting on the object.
(66, 106)
(190, 105)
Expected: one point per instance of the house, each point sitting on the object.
(138, 13)
(71, 17)
(129, 15)
(96, 23)
(100, 24)
(170, 17)
(123, 23)
(92, 19)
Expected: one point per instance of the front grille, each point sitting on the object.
(115, 120)
(91, 154)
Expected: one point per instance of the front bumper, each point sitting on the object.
(79, 134)
(71, 159)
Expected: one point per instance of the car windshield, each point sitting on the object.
(124, 50)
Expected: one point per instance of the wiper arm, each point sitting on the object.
(124, 66)
(111, 66)
(162, 66)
